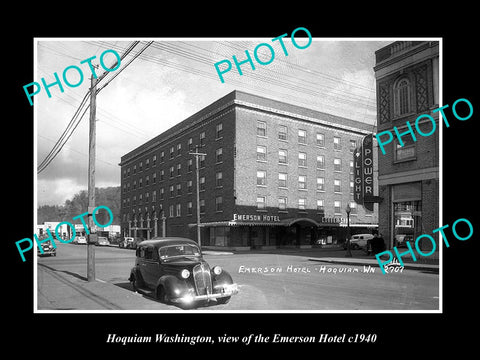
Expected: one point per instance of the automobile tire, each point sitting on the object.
(224, 300)
(354, 246)
(162, 295)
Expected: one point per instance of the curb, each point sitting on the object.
(356, 261)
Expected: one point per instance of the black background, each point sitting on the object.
(404, 334)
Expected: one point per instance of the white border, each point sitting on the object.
(179, 311)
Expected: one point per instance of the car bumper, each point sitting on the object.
(226, 291)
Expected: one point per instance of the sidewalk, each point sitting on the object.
(66, 291)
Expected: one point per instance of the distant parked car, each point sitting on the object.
(102, 241)
(48, 249)
(81, 240)
(177, 273)
(358, 241)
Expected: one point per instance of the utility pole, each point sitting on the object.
(92, 237)
(197, 154)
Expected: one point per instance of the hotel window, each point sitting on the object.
(402, 97)
(337, 207)
(162, 175)
(147, 180)
(189, 208)
(405, 152)
(218, 203)
(147, 197)
(154, 196)
(134, 169)
(202, 206)
(302, 159)
(147, 164)
(140, 166)
(154, 177)
(162, 192)
(140, 183)
(351, 187)
(202, 161)
(282, 180)
(172, 171)
(337, 143)
(320, 184)
(353, 146)
(350, 166)
(320, 140)
(337, 164)
(202, 183)
(189, 186)
(302, 182)
(172, 193)
(134, 184)
(179, 169)
(219, 155)
(261, 178)
(154, 161)
(261, 202)
(179, 189)
(218, 131)
(261, 128)
(261, 153)
(179, 149)
(337, 186)
(140, 198)
(302, 204)
(172, 152)
(353, 208)
(282, 133)
(302, 136)
(320, 205)
(162, 156)
(219, 179)
(134, 200)
(202, 138)
(190, 165)
(282, 203)
(282, 156)
(320, 162)
(179, 210)
(190, 144)
(170, 210)
(128, 171)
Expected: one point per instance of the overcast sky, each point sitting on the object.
(172, 80)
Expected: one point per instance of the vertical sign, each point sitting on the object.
(358, 175)
(367, 173)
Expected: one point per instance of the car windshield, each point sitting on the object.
(172, 251)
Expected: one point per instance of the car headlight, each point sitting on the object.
(217, 270)
(185, 273)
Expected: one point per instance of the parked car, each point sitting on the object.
(358, 241)
(174, 269)
(81, 240)
(125, 241)
(102, 241)
(48, 249)
(401, 240)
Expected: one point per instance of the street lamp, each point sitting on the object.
(348, 210)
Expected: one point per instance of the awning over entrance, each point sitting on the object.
(283, 222)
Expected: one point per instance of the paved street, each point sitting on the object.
(267, 281)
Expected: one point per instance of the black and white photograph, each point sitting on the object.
(207, 189)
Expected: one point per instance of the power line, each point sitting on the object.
(72, 125)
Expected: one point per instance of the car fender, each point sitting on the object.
(223, 279)
(173, 286)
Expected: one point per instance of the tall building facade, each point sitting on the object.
(407, 76)
(274, 175)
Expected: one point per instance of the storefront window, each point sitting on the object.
(407, 222)
(219, 236)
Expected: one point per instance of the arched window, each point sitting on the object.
(402, 97)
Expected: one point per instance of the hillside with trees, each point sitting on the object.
(109, 197)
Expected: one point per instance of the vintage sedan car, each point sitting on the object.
(48, 249)
(81, 240)
(175, 270)
(102, 241)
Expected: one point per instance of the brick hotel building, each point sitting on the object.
(274, 175)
